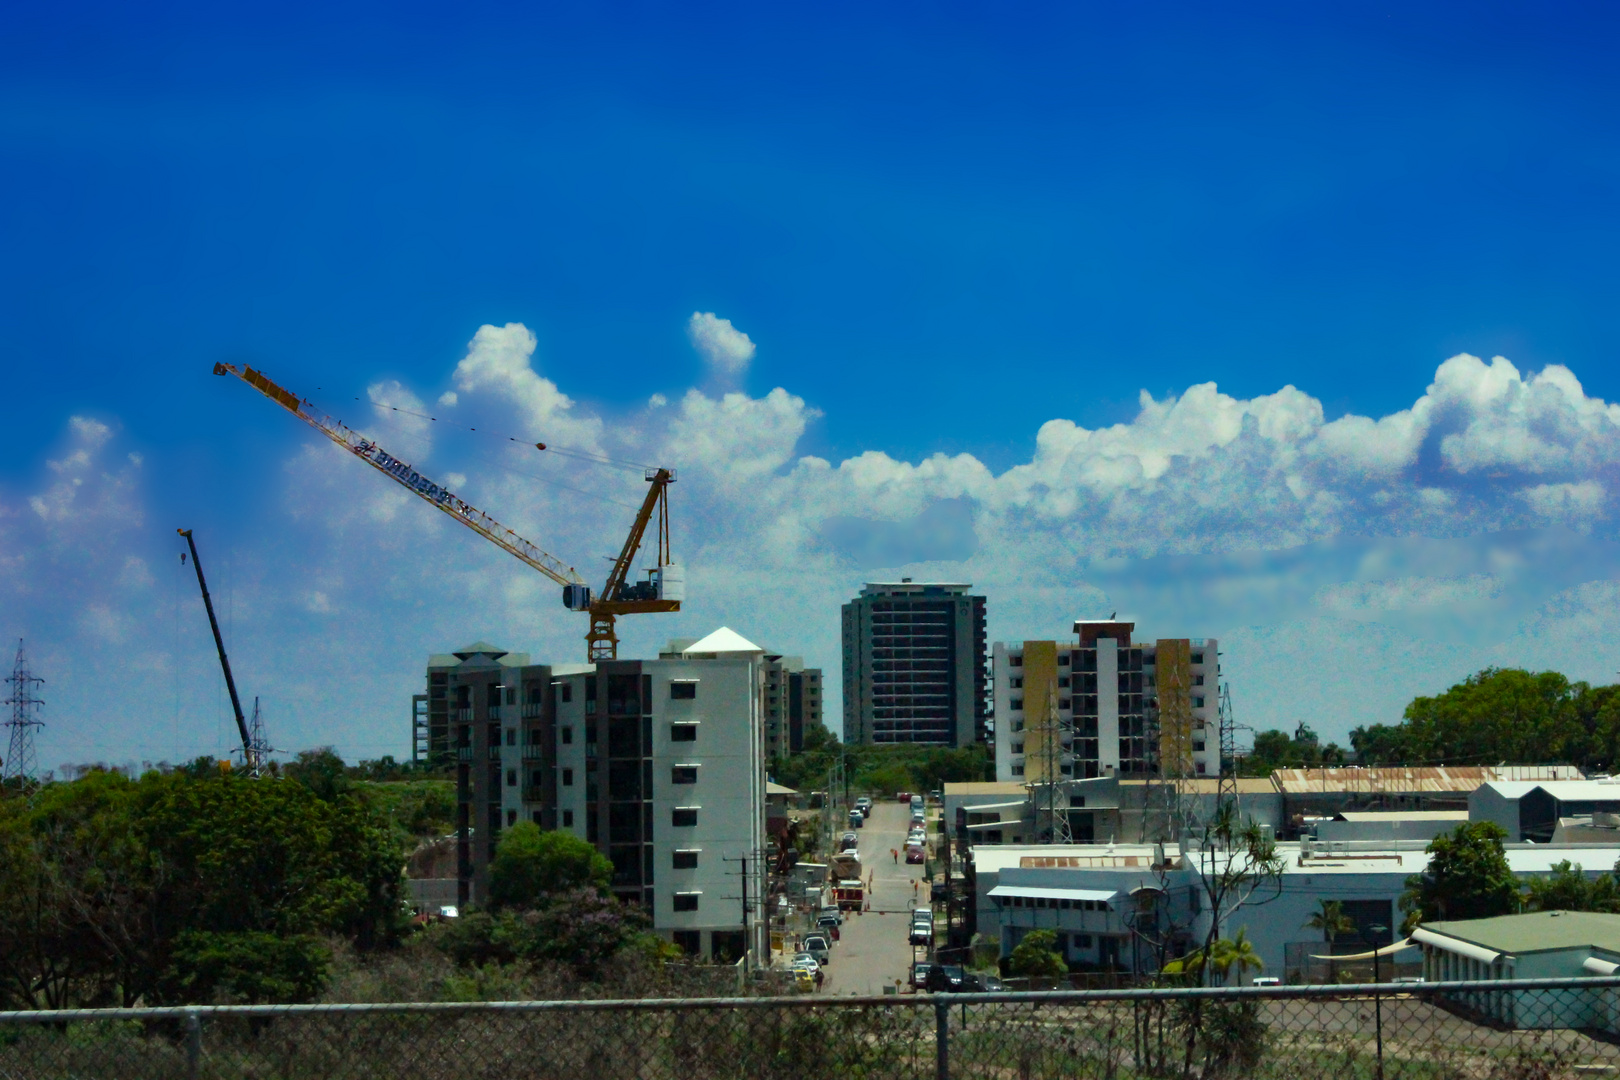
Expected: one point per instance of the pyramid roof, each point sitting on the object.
(723, 640)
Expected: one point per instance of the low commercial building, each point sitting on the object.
(1387, 825)
(1322, 793)
(1163, 889)
(1529, 809)
(1538, 945)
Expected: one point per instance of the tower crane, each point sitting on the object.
(663, 590)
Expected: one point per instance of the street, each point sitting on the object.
(873, 950)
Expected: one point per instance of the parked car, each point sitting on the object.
(848, 842)
(829, 916)
(806, 962)
(915, 856)
(804, 979)
(902, 796)
(938, 893)
(978, 982)
(818, 947)
(856, 819)
(864, 803)
(919, 973)
(1266, 980)
(922, 933)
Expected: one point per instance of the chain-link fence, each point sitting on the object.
(1523, 1029)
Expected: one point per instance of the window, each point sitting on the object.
(1016, 683)
(1082, 941)
(1063, 683)
(1198, 702)
(568, 819)
(511, 817)
(1198, 658)
(683, 817)
(1198, 680)
(1198, 747)
(686, 901)
(534, 736)
(1063, 661)
(1016, 660)
(683, 774)
(567, 736)
(684, 691)
(1018, 770)
(511, 736)
(535, 817)
(1017, 748)
(685, 859)
(511, 778)
(536, 778)
(1016, 703)
(683, 733)
(568, 778)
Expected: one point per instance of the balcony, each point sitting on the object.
(495, 712)
(532, 710)
(464, 753)
(532, 794)
(534, 752)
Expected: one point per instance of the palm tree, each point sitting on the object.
(1332, 921)
(1237, 953)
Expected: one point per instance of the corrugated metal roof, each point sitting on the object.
(1538, 931)
(1403, 815)
(1209, 785)
(983, 788)
(1400, 779)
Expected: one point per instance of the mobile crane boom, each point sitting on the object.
(662, 591)
(219, 643)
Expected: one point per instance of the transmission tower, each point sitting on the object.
(21, 762)
(1051, 793)
(1228, 788)
(258, 749)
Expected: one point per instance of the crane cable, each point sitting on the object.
(564, 451)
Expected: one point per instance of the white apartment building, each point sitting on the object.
(1123, 709)
(658, 763)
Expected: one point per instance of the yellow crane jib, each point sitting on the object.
(663, 590)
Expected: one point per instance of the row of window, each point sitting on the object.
(1057, 904)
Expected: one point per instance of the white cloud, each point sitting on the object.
(1435, 532)
(448, 399)
(725, 348)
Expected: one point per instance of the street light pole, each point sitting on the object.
(1377, 931)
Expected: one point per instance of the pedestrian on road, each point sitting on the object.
(894, 854)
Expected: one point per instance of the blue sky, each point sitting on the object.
(940, 227)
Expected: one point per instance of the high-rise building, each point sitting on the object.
(792, 703)
(915, 665)
(658, 763)
(1101, 705)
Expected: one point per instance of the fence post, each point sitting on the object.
(942, 1038)
(193, 1043)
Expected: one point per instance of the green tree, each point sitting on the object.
(1467, 878)
(1568, 889)
(531, 864)
(1235, 952)
(1331, 920)
(247, 968)
(1036, 956)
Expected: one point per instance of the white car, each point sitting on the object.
(805, 962)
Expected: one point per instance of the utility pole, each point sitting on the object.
(21, 760)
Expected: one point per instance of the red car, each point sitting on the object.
(914, 856)
(903, 797)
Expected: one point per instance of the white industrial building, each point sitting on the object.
(1018, 888)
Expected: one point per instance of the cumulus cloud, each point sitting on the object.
(1425, 543)
(727, 350)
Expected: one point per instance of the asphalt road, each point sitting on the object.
(873, 950)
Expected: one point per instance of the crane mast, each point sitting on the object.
(662, 591)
